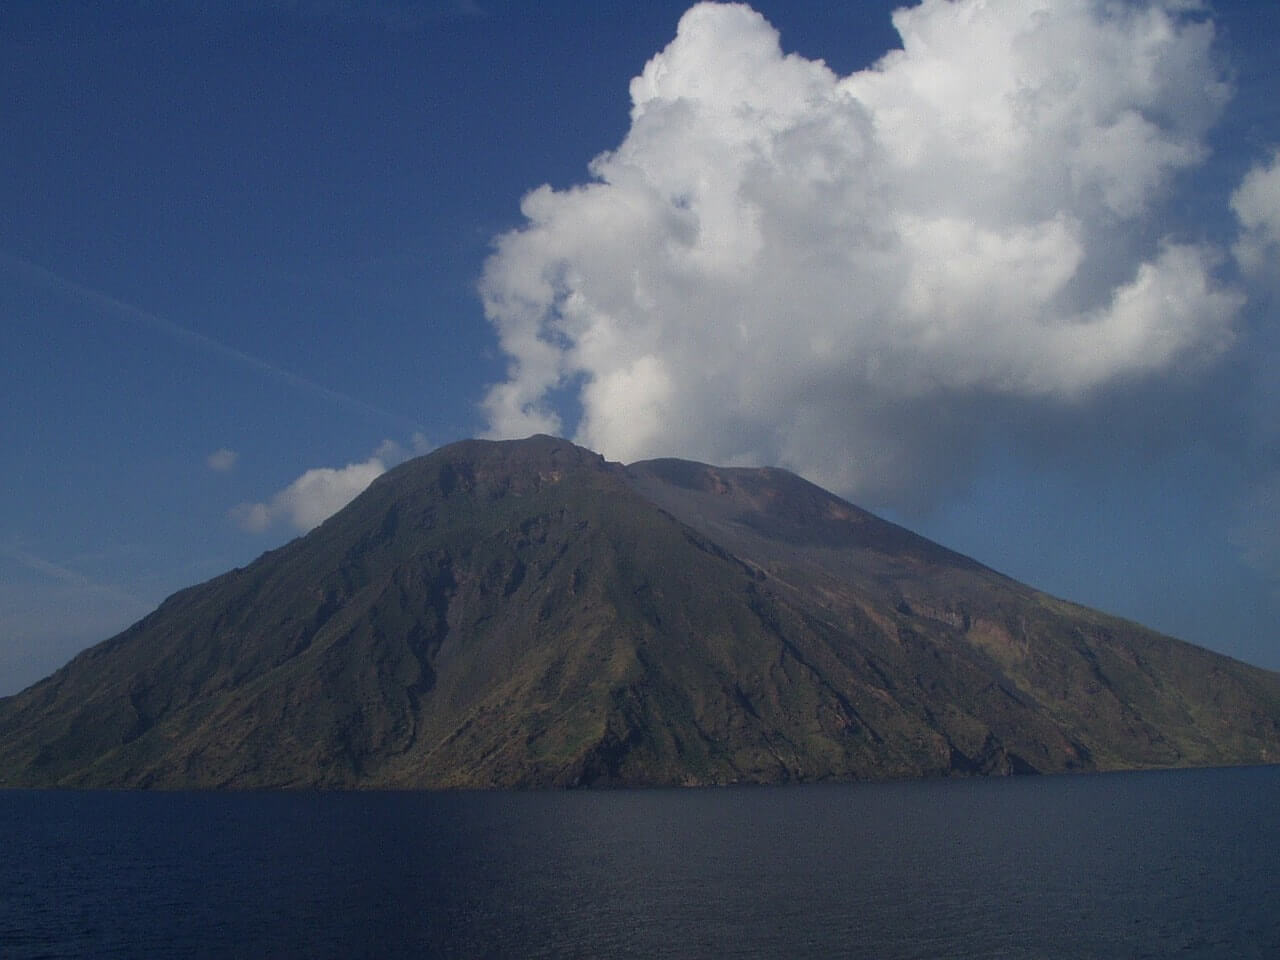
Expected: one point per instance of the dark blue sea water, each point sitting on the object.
(1182, 864)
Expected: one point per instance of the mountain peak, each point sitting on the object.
(526, 613)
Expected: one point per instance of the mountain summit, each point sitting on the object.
(524, 613)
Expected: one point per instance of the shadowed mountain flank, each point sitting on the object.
(526, 614)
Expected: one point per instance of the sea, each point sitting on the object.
(1156, 864)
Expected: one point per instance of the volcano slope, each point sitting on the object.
(526, 614)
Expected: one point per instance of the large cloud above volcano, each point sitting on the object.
(858, 276)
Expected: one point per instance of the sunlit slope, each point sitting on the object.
(525, 614)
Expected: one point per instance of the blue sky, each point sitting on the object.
(1013, 286)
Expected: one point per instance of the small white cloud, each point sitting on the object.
(320, 493)
(1256, 203)
(222, 460)
(311, 499)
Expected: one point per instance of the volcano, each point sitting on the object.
(527, 614)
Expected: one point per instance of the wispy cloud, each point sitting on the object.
(392, 15)
(35, 274)
(1256, 530)
(51, 617)
(72, 578)
(222, 460)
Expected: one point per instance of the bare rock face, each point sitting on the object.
(524, 614)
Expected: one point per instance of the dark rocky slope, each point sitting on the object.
(526, 614)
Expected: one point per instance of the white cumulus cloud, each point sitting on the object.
(321, 492)
(850, 275)
(311, 499)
